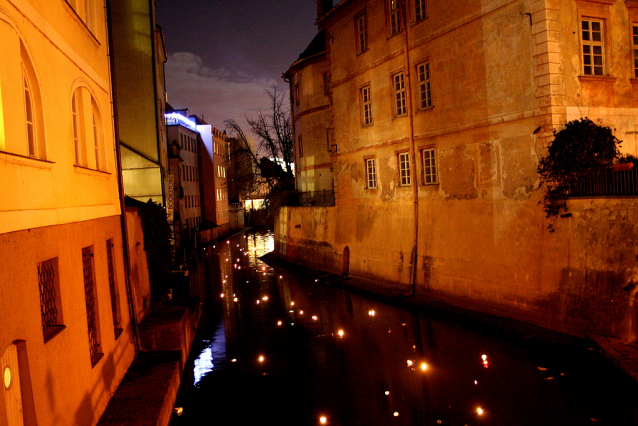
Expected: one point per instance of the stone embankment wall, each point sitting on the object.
(494, 257)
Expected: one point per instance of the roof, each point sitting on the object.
(316, 46)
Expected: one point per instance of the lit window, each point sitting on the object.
(419, 10)
(635, 43)
(404, 169)
(30, 116)
(423, 75)
(399, 93)
(429, 166)
(593, 47)
(362, 34)
(395, 16)
(371, 173)
(366, 105)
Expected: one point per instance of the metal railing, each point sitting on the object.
(323, 198)
(620, 180)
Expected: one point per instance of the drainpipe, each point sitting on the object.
(415, 188)
(120, 183)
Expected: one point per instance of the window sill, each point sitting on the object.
(608, 2)
(89, 171)
(597, 78)
(430, 185)
(53, 331)
(426, 109)
(367, 125)
(24, 160)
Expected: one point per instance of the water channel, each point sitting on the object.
(279, 349)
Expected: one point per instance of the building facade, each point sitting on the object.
(439, 113)
(185, 142)
(66, 339)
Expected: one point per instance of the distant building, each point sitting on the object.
(139, 55)
(438, 113)
(186, 200)
(66, 339)
(215, 179)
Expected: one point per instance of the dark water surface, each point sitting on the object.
(280, 349)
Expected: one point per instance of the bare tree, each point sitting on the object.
(273, 157)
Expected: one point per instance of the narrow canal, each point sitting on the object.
(280, 349)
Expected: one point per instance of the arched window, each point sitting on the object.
(87, 130)
(29, 116)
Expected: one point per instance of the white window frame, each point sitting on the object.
(429, 163)
(424, 84)
(371, 173)
(29, 115)
(420, 10)
(361, 23)
(405, 178)
(366, 105)
(398, 85)
(593, 46)
(395, 17)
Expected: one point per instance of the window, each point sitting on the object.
(115, 299)
(88, 139)
(395, 17)
(371, 173)
(362, 33)
(399, 93)
(86, 11)
(30, 116)
(593, 46)
(92, 319)
(423, 75)
(366, 106)
(419, 10)
(635, 44)
(429, 166)
(50, 303)
(404, 169)
(300, 145)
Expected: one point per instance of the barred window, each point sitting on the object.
(399, 93)
(92, 319)
(404, 169)
(593, 47)
(425, 94)
(371, 173)
(429, 166)
(366, 105)
(115, 299)
(50, 302)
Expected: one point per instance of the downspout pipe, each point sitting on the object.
(415, 188)
(120, 183)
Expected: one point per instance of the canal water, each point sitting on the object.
(276, 348)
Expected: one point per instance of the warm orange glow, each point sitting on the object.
(221, 295)
(235, 300)
(396, 414)
(479, 411)
(264, 298)
(279, 323)
(484, 357)
(410, 363)
(314, 317)
(292, 303)
(372, 312)
(261, 358)
(258, 302)
(340, 333)
(424, 366)
(300, 312)
(233, 360)
(323, 420)
(387, 392)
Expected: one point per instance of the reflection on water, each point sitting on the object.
(304, 353)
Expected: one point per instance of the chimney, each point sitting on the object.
(323, 7)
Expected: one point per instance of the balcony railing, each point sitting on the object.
(324, 198)
(621, 180)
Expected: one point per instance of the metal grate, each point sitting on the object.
(48, 307)
(114, 307)
(618, 181)
(89, 293)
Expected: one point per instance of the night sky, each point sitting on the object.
(224, 53)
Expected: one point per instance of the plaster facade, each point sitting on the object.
(435, 155)
(66, 338)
